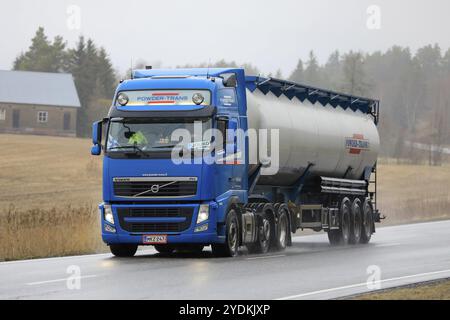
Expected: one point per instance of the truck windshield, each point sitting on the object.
(143, 137)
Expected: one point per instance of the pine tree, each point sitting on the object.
(79, 67)
(298, 74)
(312, 71)
(42, 55)
(106, 78)
(332, 72)
(354, 80)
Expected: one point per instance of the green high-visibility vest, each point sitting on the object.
(138, 138)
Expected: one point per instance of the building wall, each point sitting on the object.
(28, 119)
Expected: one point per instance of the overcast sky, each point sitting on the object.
(268, 34)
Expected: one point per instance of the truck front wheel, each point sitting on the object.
(231, 245)
(123, 250)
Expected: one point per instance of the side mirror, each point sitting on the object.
(97, 132)
(96, 150)
(96, 138)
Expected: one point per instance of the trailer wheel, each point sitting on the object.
(164, 249)
(334, 237)
(123, 250)
(262, 243)
(355, 222)
(342, 235)
(345, 221)
(367, 215)
(231, 245)
(282, 228)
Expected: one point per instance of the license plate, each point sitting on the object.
(154, 238)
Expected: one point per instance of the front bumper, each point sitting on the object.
(189, 235)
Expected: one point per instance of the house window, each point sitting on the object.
(42, 116)
(2, 114)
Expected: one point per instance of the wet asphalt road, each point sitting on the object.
(310, 269)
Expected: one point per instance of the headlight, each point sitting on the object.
(197, 98)
(122, 99)
(203, 213)
(108, 214)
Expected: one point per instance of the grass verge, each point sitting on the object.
(36, 233)
(433, 290)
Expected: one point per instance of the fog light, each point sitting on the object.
(201, 228)
(203, 213)
(122, 99)
(197, 98)
(108, 214)
(108, 228)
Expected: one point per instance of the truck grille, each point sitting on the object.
(155, 187)
(143, 227)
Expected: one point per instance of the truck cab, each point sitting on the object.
(151, 197)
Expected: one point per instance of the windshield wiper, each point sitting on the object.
(164, 146)
(134, 147)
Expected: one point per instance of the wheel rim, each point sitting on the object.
(367, 222)
(345, 224)
(232, 236)
(265, 232)
(282, 235)
(357, 225)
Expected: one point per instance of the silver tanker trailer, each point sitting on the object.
(328, 148)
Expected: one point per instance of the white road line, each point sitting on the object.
(302, 295)
(84, 256)
(267, 257)
(387, 244)
(58, 280)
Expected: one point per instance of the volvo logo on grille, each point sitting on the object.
(154, 188)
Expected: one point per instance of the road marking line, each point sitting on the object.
(59, 280)
(84, 256)
(387, 244)
(362, 284)
(267, 257)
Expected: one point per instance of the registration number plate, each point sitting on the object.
(154, 238)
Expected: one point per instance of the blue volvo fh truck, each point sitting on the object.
(214, 157)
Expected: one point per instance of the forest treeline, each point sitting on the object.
(413, 87)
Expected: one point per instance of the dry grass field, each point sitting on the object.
(413, 193)
(434, 290)
(49, 191)
(50, 188)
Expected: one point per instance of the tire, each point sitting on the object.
(342, 235)
(367, 222)
(334, 237)
(283, 229)
(164, 249)
(355, 222)
(123, 250)
(263, 240)
(231, 245)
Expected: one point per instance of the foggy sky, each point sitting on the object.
(268, 34)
